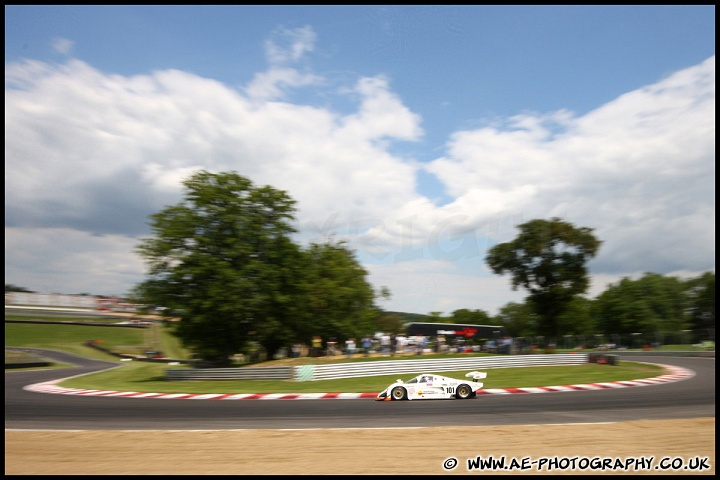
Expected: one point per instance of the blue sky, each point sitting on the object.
(422, 135)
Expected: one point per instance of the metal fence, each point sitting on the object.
(370, 369)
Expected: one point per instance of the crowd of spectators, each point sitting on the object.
(388, 345)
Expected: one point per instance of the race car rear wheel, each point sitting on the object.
(398, 393)
(463, 392)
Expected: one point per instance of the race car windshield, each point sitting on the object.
(414, 380)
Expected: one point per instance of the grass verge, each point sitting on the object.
(150, 377)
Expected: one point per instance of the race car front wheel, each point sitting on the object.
(398, 393)
(463, 392)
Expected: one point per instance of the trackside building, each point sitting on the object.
(467, 331)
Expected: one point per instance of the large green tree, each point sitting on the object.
(223, 258)
(339, 299)
(577, 319)
(470, 317)
(701, 296)
(654, 306)
(518, 319)
(548, 258)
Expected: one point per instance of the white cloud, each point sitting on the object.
(62, 45)
(63, 260)
(90, 155)
(290, 44)
(272, 84)
(640, 170)
(285, 46)
(381, 114)
(99, 153)
(426, 286)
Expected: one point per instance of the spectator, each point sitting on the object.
(316, 346)
(385, 344)
(367, 345)
(507, 345)
(332, 347)
(401, 341)
(419, 345)
(350, 347)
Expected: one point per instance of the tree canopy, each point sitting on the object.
(700, 293)
(653, 305)
(224, 258)
(548, 258)
(9, 287)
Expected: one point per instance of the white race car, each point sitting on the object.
(427, 385)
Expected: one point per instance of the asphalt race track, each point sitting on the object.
(692, 397)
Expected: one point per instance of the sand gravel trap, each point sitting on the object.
(372, 451)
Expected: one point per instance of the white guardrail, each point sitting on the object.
(305, 373)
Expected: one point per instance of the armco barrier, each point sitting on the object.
(370, 369)
(669, 353)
